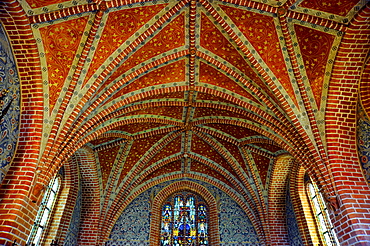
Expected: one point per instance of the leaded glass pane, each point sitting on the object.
(322, 222)
(335, 236)
(177, 219)
(190, 204)
(202, 225)
(183, 223)
(312, 190)
(56, 185)
(38, 236)
(44, 217)
(327, 239)
(166, 228)
(50, 200)
(327, 216)
(322, 215)
(317, 205)
(44, 212)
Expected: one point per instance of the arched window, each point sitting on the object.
(45, 211)
(184, 221)
(327, 233)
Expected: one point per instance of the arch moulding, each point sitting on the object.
(180, 186)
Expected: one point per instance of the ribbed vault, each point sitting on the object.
(202, 89)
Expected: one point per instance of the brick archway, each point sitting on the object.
(179, 186)
(341, 123)
(278, 233)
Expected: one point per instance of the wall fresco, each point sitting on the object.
(335, 7)
(315, 49)
(61, 42)
(363, 141)
(9, 104)
(115, 33)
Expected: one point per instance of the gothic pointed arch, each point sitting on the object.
(90, 196)
(198, 189)
(283, 164)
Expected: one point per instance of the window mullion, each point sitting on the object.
(185, 224)
(44, 212)
(322, 215)
(327, 221)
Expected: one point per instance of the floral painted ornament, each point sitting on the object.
(9, 104)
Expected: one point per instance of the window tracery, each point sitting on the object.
(184, 221)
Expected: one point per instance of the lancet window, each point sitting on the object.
(321, 213)
(45, 211)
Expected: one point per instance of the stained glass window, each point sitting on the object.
(324, 224)
(45, 210)
(184, 221)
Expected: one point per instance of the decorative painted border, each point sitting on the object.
(50, 8)
(10, 96)
(341, 19)
(318, 112)
(49, 117)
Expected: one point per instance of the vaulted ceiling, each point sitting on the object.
(212, 90)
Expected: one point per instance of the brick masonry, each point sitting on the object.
(234, 100)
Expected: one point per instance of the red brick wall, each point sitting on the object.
(64, 207)
(90, 212)
(17, 210)
(302, 209)
(277, 197)
(364, 87)
(353, 220)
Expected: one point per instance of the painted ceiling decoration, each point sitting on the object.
(9, 104)
(202, 89)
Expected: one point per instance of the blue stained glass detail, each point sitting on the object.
(166, 225)
(202, 225)
(184, 228)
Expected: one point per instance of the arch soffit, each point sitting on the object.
(180, 186)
